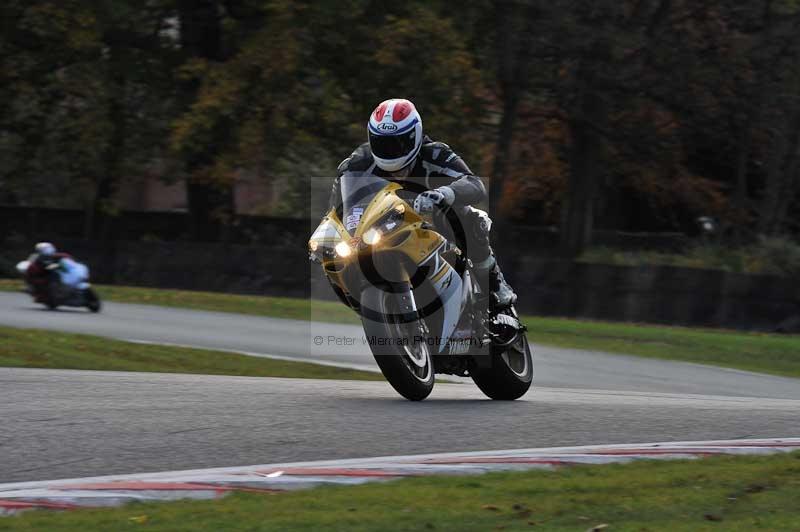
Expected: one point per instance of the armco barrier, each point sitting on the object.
(547, 287)
(57, 224)
(655, 294)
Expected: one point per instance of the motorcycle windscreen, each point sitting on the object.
(357, 192)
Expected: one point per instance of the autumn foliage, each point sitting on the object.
(631, 115)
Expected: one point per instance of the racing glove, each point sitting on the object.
(441, 197)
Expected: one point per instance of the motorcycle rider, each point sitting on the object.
(45, 259)
(397, 150)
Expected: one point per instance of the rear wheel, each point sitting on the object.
(398, 345)
(510, 374)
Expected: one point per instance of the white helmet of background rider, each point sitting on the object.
(45, 249)
(395, 134)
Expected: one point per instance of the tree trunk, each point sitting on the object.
(211, 207)
(99, 218)
(781, 184)
(502, 153)
(584, 161)
(741, 187)
(210, 202)
(509, 94)
(513, 48)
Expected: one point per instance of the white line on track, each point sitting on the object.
(321, 362)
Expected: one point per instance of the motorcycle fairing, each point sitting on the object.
(448, 286)
(462, 340)
(365, 201)
(328, 231)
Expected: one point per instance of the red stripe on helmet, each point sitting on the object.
(401, 110)
(380, 111)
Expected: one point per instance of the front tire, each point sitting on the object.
(51, 298)
(405, 361)
(511, 372)
(92, 301)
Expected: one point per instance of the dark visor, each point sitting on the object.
(392, 146)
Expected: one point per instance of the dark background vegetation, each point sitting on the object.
(624, 115)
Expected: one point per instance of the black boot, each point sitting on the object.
(501, 292)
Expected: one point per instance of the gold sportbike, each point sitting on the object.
(422, 310)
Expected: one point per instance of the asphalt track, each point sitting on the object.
(345, 345)
(59, 424)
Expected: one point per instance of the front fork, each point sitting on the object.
(409, 312)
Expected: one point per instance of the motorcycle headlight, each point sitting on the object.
(343, 249)
(372, 236)
(321, 245)
(314, 251)
(321, 251)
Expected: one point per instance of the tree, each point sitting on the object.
(292, 96)
(601, 71)
(209, 195)
(81, 100)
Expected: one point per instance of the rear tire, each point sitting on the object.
(405, 362)
(511, 372)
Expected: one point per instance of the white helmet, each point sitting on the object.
(45, 249)
(395, 134)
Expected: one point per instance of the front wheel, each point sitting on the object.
(52, 296)
(398, 344)
(510, 374)
(92, 300)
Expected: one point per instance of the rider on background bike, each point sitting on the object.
(46, 259)
(398, 151)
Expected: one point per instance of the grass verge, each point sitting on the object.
(765, 353)
(724, 493)
(281, 307)
(30, 348)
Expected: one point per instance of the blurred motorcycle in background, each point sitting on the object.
(63, 283)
